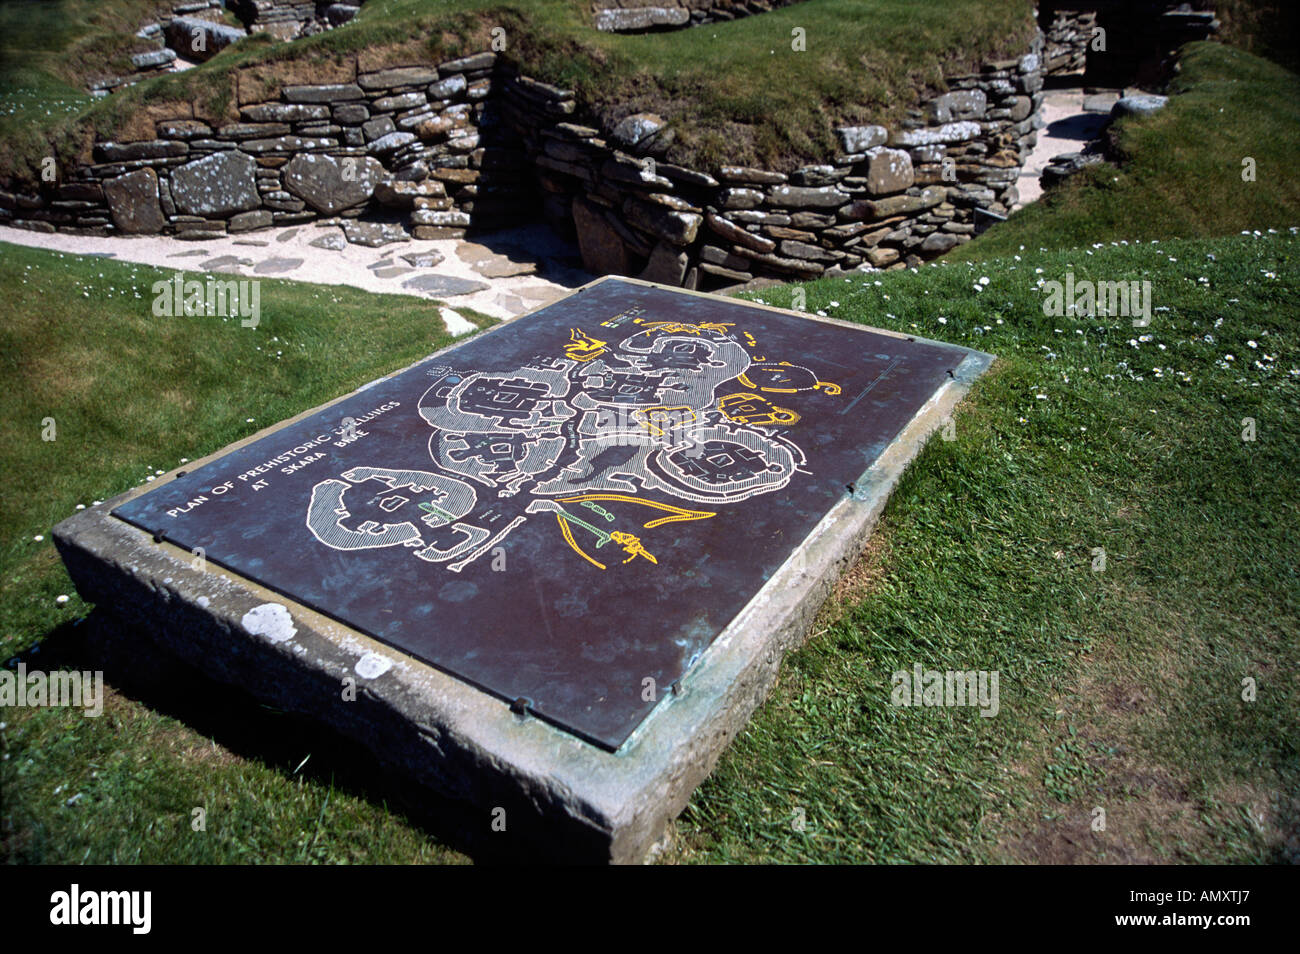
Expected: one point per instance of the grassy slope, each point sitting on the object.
(727, 86)
(1182, 169)
(50, 50)
(130, 394)
(75, 40)
(1119, 688)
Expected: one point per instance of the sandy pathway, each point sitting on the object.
(1069, 127)
(502, 274)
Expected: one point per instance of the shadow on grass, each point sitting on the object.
(142, 672)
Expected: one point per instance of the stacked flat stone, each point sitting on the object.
(199, 38)
(288, 19)
(1141, 36)
(1067, 33)
(196, 31)
(890, 198)
(639, 16)
(470, 143)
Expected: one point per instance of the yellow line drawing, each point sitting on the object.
(568, 538)
(651, 417)
(817, 385)
(630, 542)
(583, 347)
(746, 408)
(680, 328)
(744, 379)
(632, 546)
(675, 513)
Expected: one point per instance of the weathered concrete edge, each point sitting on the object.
(564, 799)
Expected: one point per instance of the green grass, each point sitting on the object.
(49, 51)
(1119, 689)
(130, 394)
(736, 92)
(984, 561)
(1180, 173)
(73, 39)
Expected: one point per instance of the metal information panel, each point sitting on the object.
(564, 512)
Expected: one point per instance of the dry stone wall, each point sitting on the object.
(433, 151)
(288, 19)
(195, 32)
(639, 16)
(1119, 42)
(892, 196)
(1067, 34)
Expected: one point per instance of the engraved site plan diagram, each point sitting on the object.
(566, 511)
(673, 409)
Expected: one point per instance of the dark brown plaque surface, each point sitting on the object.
(570, 506)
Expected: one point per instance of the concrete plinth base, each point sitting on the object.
(525, 788)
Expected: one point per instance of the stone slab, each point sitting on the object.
(444, 286)
(330, 184)
(220, 184)
(373, 234)
(566, 797)
(428, 259)
(133, 202)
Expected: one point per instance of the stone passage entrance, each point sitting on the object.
(563, 558)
